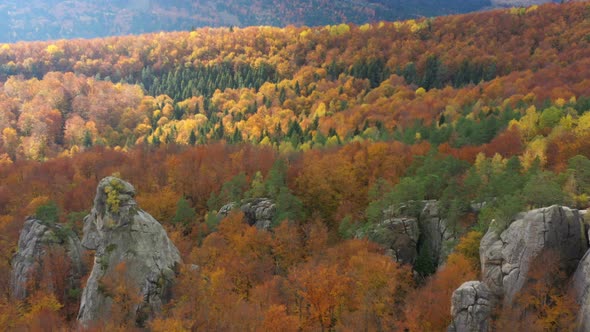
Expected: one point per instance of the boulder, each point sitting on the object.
(471, 308)
(36, 238)
(258, 212)
(506, 258)
(131, 247)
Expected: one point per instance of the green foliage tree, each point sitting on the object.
(231, 191)
(185, 214)
(499, 213)
(257, 186)
(403, 199)
(192, 139)
(550, 117)
(87, 142)
(48, 212)
(542, 189)
(288, 206)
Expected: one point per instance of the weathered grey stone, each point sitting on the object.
(35, 239)
(399, 236)
(436, 234)
(122, 233)
(471, 308)
(258, 212)
(506, 258)
(226, 209)
(581, 285)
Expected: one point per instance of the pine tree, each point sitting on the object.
(87, 139)
(185, 214)
(192, 139)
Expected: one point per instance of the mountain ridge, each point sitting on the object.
(56, 19)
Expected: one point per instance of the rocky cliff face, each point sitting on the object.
(405, 237)
(581, 285)
(258, 212)
(124, 235)
(507, 257)
(436, 233)
(399, 237)
(471, 307)
(36, 238)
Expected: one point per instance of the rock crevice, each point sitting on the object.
(471, 306)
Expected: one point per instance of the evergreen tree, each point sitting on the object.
(48, 212)
(433, 73)
(87, 142)
(192, 139)
(185, 214)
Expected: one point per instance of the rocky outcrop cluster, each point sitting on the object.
(506, 258)
(131, 249)
(405, 237)
(258, 212)
(36, 238)
(122, 234)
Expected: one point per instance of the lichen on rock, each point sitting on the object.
(122, 234)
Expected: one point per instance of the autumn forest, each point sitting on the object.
(341, 126)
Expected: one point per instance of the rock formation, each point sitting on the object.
(258, 212)
(123, 235)
(399, 236)
(506, 258)
(36, 238)
(406, 237)
(436, 234)
(581, 285)
(471, 307)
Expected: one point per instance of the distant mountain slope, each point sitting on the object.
(56, 19)
(512, 3)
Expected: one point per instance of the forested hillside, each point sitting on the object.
(45, 20)
(343, 127)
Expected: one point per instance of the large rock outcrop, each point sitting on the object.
(405, 238)
(436, 234)
(399, 237)
(258, 212)
(506, 257)
(581, 285)
(471, 307)
(131, 248)
(36, 240)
